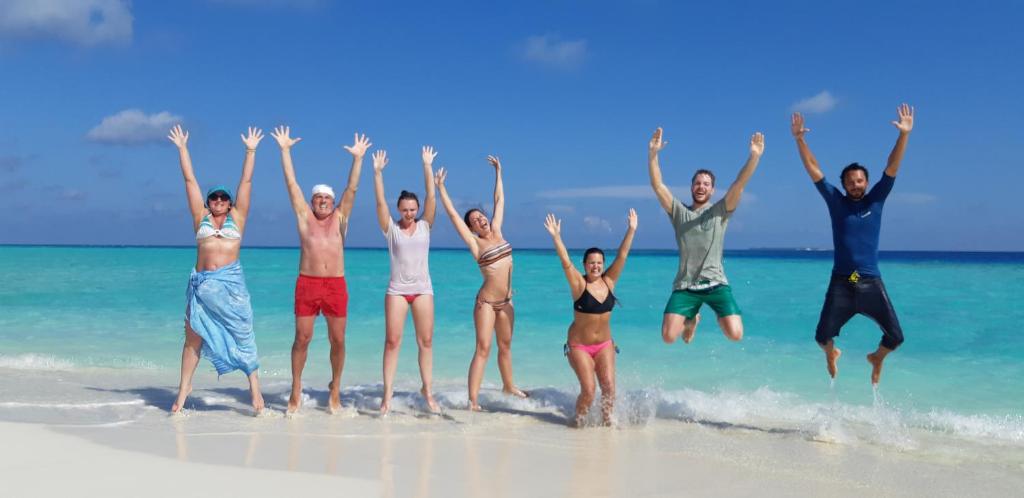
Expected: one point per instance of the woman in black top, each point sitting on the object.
(589, 348)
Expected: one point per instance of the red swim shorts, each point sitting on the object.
(316, 294)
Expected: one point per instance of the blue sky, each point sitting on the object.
(565, 92)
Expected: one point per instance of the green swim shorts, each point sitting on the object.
(688, 302)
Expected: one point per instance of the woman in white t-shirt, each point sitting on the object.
(409, 288)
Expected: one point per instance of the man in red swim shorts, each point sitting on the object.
(320, 287)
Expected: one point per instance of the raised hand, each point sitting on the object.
(380, 159)
(281, 134)
(757, 144)
(906, 118)
(494, 162)
(252, 140)
(796, 125)
(632, 218)
(358, 149)
(179, 137)
(440, 177)
(657, 143)
(428, 154)
(553, 225)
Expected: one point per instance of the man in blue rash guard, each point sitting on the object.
(856, 286)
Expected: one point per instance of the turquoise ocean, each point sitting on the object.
(959, 376)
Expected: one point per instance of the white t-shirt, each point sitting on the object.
(410, 273)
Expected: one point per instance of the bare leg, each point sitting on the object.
(605, 369)
(672, 326)
(395, 310)
(876, 359)
(300, 347)
(336, 336)
(254, 390)
(483, 319)
(504, 322)
(189, 362)
(423, 320)
(732, 327)
(690, 328)
(583, 365)
(832, 354)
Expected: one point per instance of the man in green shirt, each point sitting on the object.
(700, 229)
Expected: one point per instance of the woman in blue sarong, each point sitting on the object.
(218, 315)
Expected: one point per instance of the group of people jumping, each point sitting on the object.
(218, 314)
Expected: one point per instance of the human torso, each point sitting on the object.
(592, 315)
(495, 261)
(218, 241)
(856, 226)
(409, 253)
(700, 234)
(323, 249)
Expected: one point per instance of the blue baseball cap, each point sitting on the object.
(219, 188)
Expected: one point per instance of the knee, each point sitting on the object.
(302, 342)
(193, 341)
(735, 332)
(504, 346)
(425, 342)
(483, 350)
(667, 334)
(392, 343)
(586, 395)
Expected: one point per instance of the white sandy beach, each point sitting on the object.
(96, 432)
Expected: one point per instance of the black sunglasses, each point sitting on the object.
(219, 196)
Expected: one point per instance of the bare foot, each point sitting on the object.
(578, 421)
(257, 401)
(831, 359)
(475, 407)
(431, 403)
(180, 402)
(294, 401)
(515, 391)
(876, 366)
(333, 398)
(385, 408)
(689, 330)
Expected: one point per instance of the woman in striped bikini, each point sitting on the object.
(589, 348)
(218, 316)
(410, 287)
(493, 311)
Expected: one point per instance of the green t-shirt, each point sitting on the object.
(699, 234)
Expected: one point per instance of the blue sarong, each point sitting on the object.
(219, 311)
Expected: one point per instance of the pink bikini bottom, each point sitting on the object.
(591, 349)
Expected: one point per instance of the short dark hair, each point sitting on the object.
(592, 250)
(466, 216)
(853, 167)
(406, 195)
(703, 171)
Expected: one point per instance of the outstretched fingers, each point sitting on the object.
(632, 219)
(553, 225)
(494, 161)
(380, 160)
(440, 176)
(428, 154)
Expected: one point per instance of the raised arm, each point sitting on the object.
(810, 163)
(244, 192)
(904, 124)
(662, 192)
(358, 150)
(615, 271)
(499, 196)
(572, 275)
(430, 203)
(732, 197)
(460, 225)
(192, 191)
(285, 141)
(380, 159)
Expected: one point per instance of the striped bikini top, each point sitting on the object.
(495, 254)
(229, 230)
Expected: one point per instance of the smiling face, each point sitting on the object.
(855, 182)
(219, 203)
(408, 208)
(702, 188)
(322, 204)
(593, 266)
(478, 223)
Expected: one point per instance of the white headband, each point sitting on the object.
(323, 189)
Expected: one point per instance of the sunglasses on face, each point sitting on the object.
(218, 197)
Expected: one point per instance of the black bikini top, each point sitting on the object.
(587, 304)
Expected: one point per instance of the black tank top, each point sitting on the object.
(587, 304)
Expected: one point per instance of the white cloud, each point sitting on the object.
(133, 127)
(554, 52)
(822, 102)
(914, 198)
(562, 209)
(85, 22)
(597, 224)
(607, 191)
